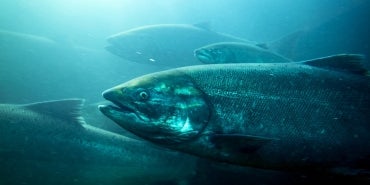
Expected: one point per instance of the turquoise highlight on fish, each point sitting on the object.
(298, 116)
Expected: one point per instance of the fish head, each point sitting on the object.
(213, 54)
(164, 107)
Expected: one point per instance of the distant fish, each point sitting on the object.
(45, 142)
(25, 46)
(309, 116)
(166, 44)
(7, 37)
(236, 52)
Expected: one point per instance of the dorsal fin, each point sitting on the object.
(350, 63)
(66, 109)
(203, 25)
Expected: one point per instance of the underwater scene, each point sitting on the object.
(184, 92)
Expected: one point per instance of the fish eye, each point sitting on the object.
(144, 95)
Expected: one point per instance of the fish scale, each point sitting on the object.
(50, 139)
(300, 116)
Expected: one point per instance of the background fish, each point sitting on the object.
(166, 44)
(303, 116)
(236, 52)
(50, 139)
(25, 59)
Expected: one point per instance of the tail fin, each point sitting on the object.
(286, 44)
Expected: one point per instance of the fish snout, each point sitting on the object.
(202, 55)
(110, 94)
(196, 52)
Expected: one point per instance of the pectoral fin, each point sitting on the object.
(238, 142)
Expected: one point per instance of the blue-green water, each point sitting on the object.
(55, 49)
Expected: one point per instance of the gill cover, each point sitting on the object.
(168, 105)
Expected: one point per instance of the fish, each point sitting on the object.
(168, 45)
(26, 45)
(25, 57)
(236, 52)
(330, 35)
(50, 143)
(8, 37)
(29, 45)
(308, 116)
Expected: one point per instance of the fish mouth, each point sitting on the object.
(119, 107)
(121, 110)
(202, 55)
(111, 95)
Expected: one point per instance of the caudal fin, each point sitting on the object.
(286, 44)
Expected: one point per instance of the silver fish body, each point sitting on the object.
(172, 45)
(162, 43)
(48, 142)
(300, 116)
(236, 52)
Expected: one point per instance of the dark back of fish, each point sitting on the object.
(313, 116)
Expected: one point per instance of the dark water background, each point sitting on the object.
(60, 51)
